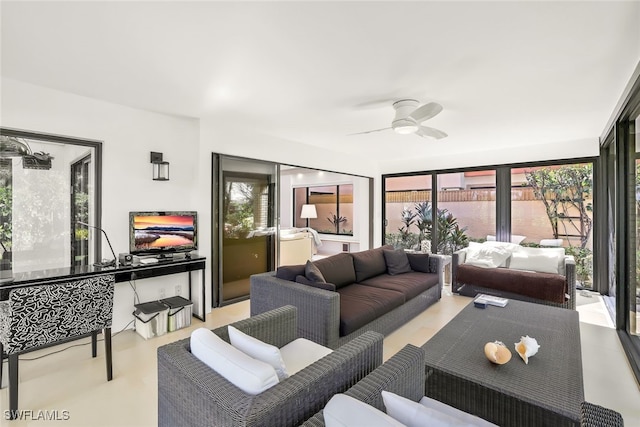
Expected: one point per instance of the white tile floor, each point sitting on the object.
(72, 381)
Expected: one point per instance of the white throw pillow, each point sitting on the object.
(487, 256)
(454, 412)
(511, 247)
(300, 353)
(345, 411)
(258, 350)
(248, 374)
(413, 414)
(544, 260)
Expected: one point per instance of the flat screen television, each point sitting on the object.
(162, 233)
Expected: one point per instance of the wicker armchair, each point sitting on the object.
(404, 374)
(192, 394)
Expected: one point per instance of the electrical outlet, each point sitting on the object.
(178, 289)
(162, 294)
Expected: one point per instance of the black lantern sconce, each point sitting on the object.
(160, 167)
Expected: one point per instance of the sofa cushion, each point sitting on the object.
(321, 285)
(468, 418)
(369, 263)
(397, 261)
(361, 304)
(337, 269)
(544, 286)
(539, 262)
(346, 411)
(487, 256)
(258, 350)
(553, 254)
(419, 262)
(410, 284)
(248, 374)
(413, 414)
(313, 273)
(289, 272)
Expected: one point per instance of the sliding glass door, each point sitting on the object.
(245, 226)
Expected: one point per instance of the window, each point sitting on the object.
(333, 206)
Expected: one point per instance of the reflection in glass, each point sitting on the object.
(334, 208)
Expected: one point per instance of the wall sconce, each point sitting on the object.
(308, 211)
(160, 167)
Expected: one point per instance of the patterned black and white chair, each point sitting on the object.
(42, 315)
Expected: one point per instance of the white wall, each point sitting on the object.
(128, 136)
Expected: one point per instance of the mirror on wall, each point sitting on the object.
(48, 186)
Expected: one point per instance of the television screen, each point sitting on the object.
(158, 232)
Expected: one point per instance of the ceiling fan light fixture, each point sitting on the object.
(404, 126)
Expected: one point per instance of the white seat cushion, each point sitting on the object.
(258, 350)
(345, 411)
(248, 374)
(454, 412)
(300, 353)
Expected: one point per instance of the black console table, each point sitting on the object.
(122, 273)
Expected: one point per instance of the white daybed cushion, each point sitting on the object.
(345, 411)
(248, 374)
(258, 350)
(300, 353)
(543, 260)
(413, 414)
(487, 256)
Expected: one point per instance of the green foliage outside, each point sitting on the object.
(450, 236)
(566, 193)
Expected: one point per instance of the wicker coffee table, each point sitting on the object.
(546, 392)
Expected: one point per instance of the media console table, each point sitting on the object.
(122, 273)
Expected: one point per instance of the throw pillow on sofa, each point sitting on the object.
(397, 261)
(313, 273)
(248, 374)
(346, 411)
(487, 256)
(258, 350)
(321, 285)
(419, 262)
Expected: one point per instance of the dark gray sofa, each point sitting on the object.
(361, 291)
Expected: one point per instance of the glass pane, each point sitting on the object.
(38, 219)
(553, 206)
(299, 199)
(466, 209)
(325, 199)
(408, 212)
(344, 221)
(635, 316)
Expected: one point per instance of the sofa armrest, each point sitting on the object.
(403, 374)
(570, 275)
(457, 259)
(191, 393)
(277, 327)
(318, 309)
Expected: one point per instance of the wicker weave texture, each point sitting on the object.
(192, 394)
(471, 290)
(547, 391)
(403, 374)
(597, 416)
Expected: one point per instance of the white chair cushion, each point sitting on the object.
(543, 260)
(455, 413)
(300, 353)
(345, 411)
(413, 414)
(258, 350)
(248, 374)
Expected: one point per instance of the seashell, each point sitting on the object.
(497, 352)
(527, 347)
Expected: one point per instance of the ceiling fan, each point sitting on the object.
(409, 116)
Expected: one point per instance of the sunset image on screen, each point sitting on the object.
(163, 231)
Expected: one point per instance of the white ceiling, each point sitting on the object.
(507, 73)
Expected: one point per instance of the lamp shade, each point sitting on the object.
(308, 211)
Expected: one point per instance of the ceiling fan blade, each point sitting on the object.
(368, 131)
(426, 131)
(425, 111)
